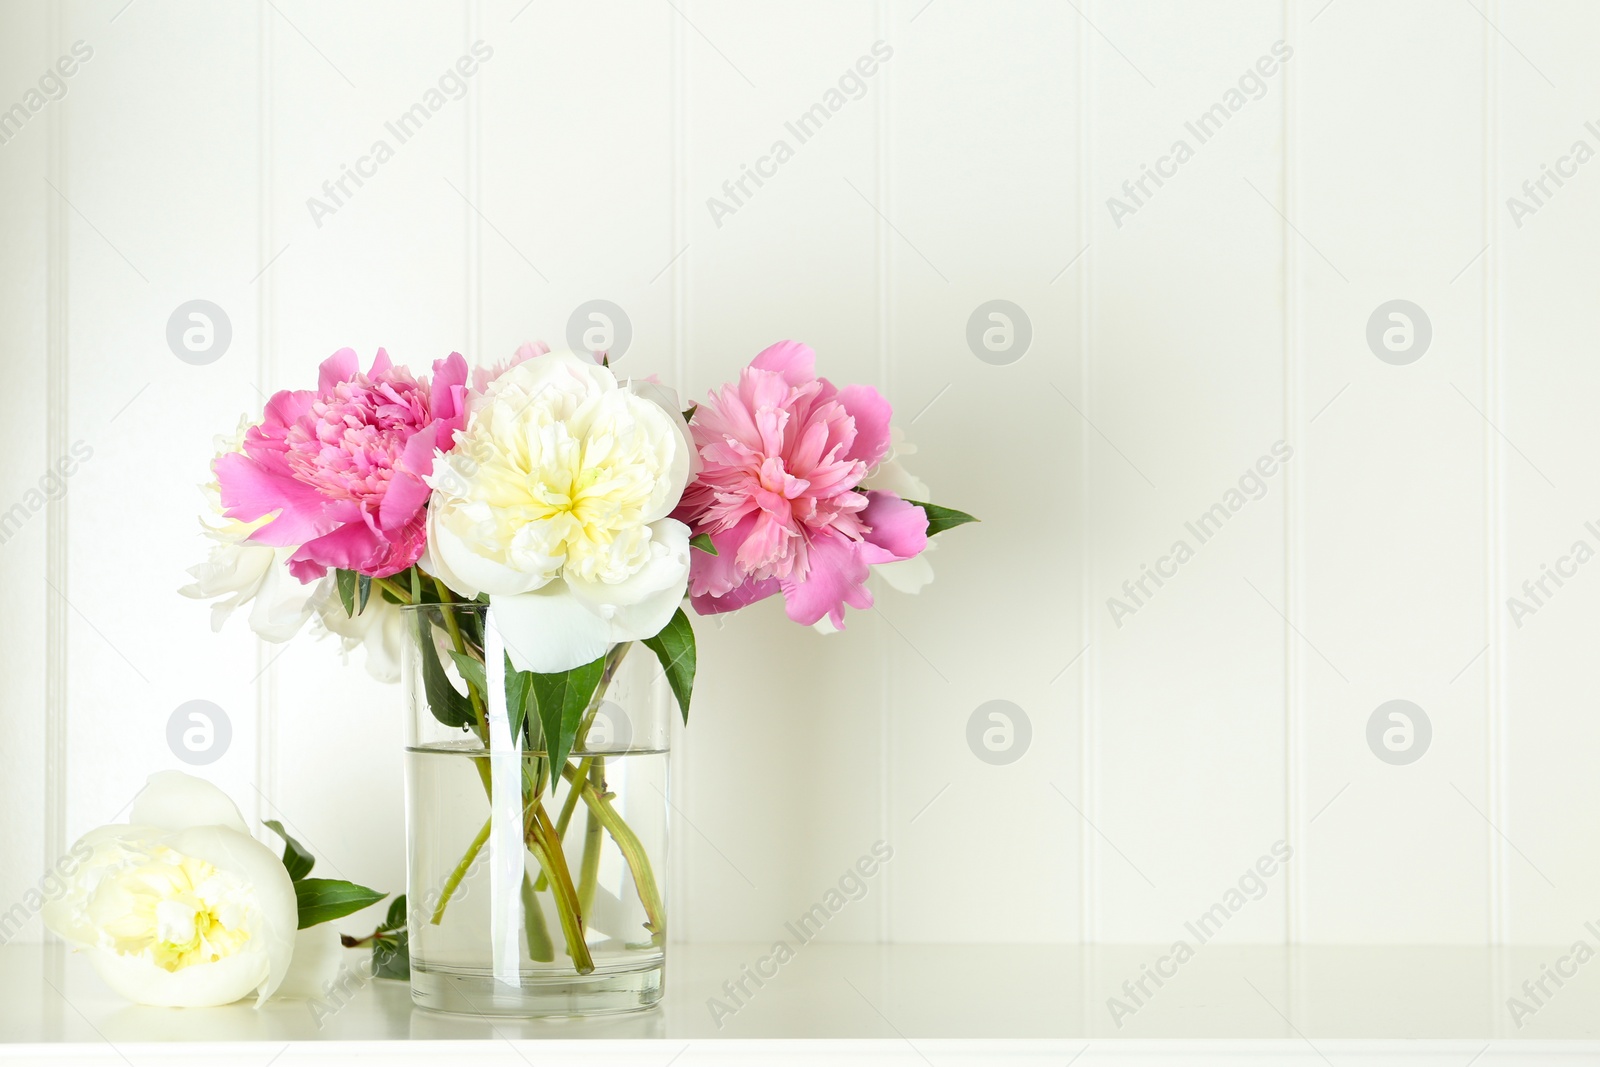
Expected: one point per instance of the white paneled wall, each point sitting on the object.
(1219, 530)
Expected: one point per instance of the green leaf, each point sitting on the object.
(471, 670)
(391, 957)
(447, 705)
(561, 700)
(295, 856)
(517, 686)
(346, 580)
(674, 647)
(703, 543)
(396, 919)
(688, 412)
(323, 899)
(363, 593)
(942, 519)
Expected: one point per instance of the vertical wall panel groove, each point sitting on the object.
(56, 436)
(1494, 490)
(266, 768)
(473, 166)
(883, 117)
(679, 869)
(1294, 504)
(1087, 841)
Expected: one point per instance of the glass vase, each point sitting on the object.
(549, 901)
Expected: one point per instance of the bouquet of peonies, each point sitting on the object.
(582, 509)
(583, 506)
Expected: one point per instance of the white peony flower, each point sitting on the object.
(555, 502)
(181, 907)
(242, 572)
(380, 629)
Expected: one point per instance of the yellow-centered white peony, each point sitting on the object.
(181, 907)
(555, 501)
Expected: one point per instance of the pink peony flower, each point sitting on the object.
(342, 467)
(784, 453)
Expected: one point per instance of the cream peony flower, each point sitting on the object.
(241, 572)
(555, 502)
(380, 630)
(181, 907)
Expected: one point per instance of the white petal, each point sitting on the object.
(891, 476)
(204, 985)
(467, 571)
(172, 800)
(684, 469)
(667, 569)
(259, 866)
(229, 568)
(282, 603)
(383, 644)
(641, 621)
(550, 630)
(94, 853)
(557, 370)
(907, 575)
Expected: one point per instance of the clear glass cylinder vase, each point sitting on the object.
(551, 901)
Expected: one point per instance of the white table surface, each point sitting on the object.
(915, 1004)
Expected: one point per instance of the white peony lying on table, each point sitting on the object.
(181, 907)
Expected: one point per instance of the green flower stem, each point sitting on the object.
(539, 835)
(589, 868)
(564, 819)
(459, 873)
(544, 838)
(539, 947)
(571, 803)
(546, 848)
(402, 595)
(644, 879)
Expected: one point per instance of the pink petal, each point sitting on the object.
(871, 412)
(736, 598)
(764, 545)
(307, 571)
(406, 496)
(381, 366)
(794, 361)
(283, 409)
(899, 529)
(836, 577)
(449, 391)
(352, 547)
(339, 367)
(250, 492)
(715, 576)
